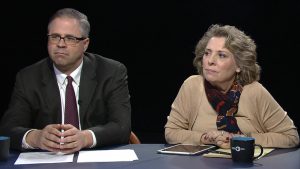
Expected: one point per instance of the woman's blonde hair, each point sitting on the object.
(238, 43)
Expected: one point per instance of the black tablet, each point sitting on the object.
(186, 149)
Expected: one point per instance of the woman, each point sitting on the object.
(226, 99)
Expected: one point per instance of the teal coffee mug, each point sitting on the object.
(4, 148)
(242, 149)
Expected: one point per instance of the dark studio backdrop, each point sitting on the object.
(156, 40)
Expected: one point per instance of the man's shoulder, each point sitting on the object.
(93, 58)
(101, 65)
(36, 67)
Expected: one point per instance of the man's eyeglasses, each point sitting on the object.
(69, 40)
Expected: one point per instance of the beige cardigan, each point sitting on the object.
(258, 116)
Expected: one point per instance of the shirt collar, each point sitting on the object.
(61, 77)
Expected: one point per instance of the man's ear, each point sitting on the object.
(86, 44)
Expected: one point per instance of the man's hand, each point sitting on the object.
(74, 140)
(46, 139)
(63, 138)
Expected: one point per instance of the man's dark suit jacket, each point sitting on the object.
(104, 101)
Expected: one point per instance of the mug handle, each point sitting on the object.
(261, 151)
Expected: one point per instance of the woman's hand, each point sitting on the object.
(219, 138)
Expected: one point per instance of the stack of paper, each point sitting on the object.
(43, 157)
(84, 156)
(220, 155)
(106, 156)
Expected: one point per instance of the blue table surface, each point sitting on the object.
(150, 159)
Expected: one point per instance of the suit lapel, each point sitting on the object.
(87, 85)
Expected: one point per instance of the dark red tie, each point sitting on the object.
(71, 114)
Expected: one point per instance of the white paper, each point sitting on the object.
(43, 157)
(106, 156)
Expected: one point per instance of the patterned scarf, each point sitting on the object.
(226, 105)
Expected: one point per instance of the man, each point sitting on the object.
(37, 115)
